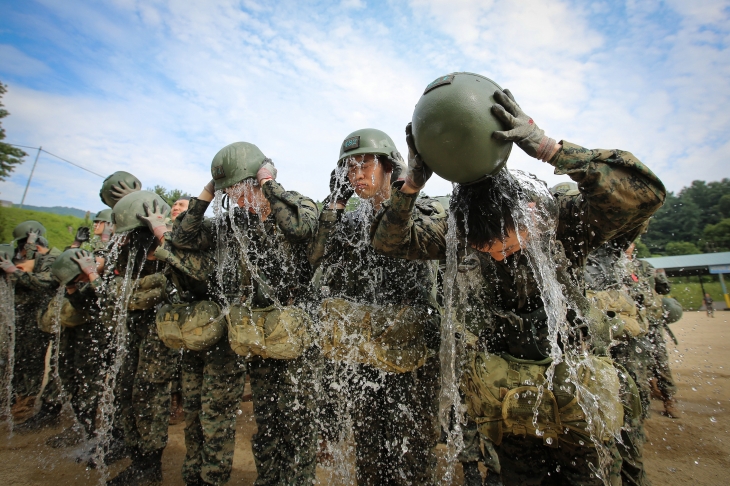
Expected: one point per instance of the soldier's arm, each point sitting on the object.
(35, 281)
(192, 233)
(661, 282)
(194, 264)
(295, 215)
(617, 194)
(327, 221)
(400, 231)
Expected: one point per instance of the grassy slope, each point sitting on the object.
(56, 225)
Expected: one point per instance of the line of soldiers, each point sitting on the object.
(337, 316)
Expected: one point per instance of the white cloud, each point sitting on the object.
(18, 63)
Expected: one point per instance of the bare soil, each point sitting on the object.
(694, 448)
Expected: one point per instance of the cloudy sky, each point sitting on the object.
(157, 87)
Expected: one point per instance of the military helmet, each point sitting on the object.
(452, 128)
(113, 180)
(672, 310)
(64, 269)
(105, 215)
(125, 212)
(234, 163)
(568, 187)
(7, 251)
(21, 231)
(369, 141)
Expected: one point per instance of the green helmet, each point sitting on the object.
(569, 188)
(104, 215)
(7, 251)
(113, 180)
(372, 141)
(22, 230)
(672, 310)
(234, 163)
(64, 269)
(125, 212)
(453, 125)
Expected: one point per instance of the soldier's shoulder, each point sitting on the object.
(433, 207)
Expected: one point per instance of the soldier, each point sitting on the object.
(264, 240)
(647, 286)
(143, 383)
(179, 207)
(393, 410)
(30, 271)
(617, 193)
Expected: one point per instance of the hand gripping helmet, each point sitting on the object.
(7, 251)
(105, 215)
(234, 163)
(21, 231)
(569, 188)
(113, 180)
(125, 212)
(372, 141)
(453, 125)
(64, 269)
(672, 309)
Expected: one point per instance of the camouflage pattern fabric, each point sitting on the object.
(212, 386)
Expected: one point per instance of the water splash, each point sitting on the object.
(7, 346)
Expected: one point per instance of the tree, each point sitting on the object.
(677, 220)
(9, 156)
(642, 251)
(717, 236)
(681, 248)
(170, 196)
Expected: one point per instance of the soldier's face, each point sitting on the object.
(249, 195)
(99, 227)
(501, 249)
(177, 208)
(367, 176)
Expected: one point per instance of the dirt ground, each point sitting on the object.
(694, 448)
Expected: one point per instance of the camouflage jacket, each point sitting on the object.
(265, 261)
(617, 193)
(38, 285)
(646, 286)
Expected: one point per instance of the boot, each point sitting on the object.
(472, 476)
(47, 416)
(177, 415)
(493, 479)
(670, 409)
(146, 469)
(69, 437)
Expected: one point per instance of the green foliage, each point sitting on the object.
(56, 225)
(642, 251)
(723, 206)
(681, 248)
(9, 156)
(169, 196)
(717, 236)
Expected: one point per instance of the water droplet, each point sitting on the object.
(713, 420)
(549, 441)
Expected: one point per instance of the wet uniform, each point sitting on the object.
(284, 399)
(617, 193)
(394, 414)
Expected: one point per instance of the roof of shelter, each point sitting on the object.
(690, 262)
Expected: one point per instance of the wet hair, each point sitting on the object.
(484, 210)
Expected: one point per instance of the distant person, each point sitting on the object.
(708, 305)
(179, 207)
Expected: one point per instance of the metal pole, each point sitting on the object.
(724, 291)
(703, 290)
(31, 176)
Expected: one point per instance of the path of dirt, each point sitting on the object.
(694, 448)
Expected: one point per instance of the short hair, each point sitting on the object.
(183, 198)
(484, 210)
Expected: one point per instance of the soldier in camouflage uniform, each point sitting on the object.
(143, 383)
(617, 193)
(646, 287)
(30, 272)
(264, 238)
(392, 412)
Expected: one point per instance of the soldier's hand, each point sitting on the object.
(210, 187)
(82, 234)
(155, 219)
(340, 188)
(520, 128)
(86, 262)
(32, 237)
(266, 172)
(418, 172)
(122, 189)
(7, 266)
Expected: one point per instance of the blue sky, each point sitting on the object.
(158, 87)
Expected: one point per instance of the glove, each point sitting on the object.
(82, 234)
(520, 128)
(418, 172)
(123, 189)
(267, 171)
(155, 219)
(7, 266)
(340, 188)
(86, 262)
(162, 254)
(210, 187)
(32, 238)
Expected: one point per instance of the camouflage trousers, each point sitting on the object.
(527, 461)
(81, 366)
(637, 357)
(212, 387)
(478, 449)
(661, 370)
(396, 425)
(143, 385)
(31, 345)
(284, 401)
